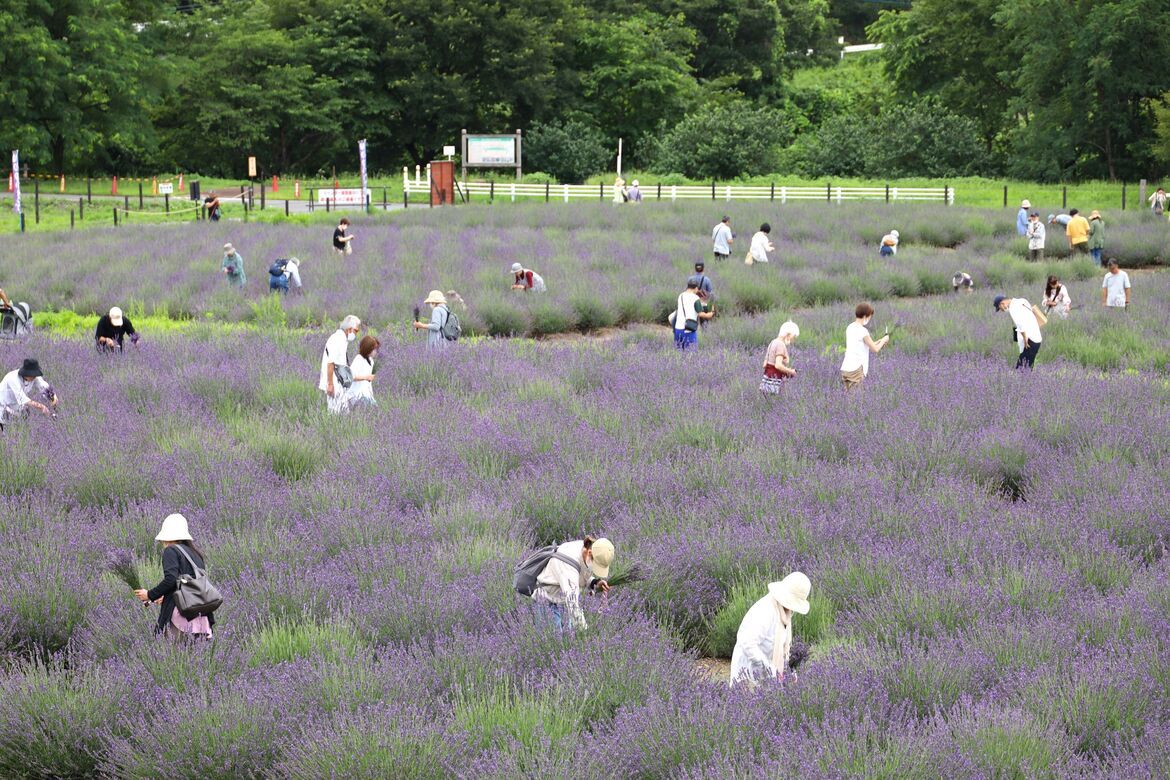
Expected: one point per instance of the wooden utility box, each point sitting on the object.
(442, 183)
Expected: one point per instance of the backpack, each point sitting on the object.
(451, 329)
(196, 595)
(278, 267)
(525, 573)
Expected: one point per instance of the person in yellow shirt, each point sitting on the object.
(1077, 232)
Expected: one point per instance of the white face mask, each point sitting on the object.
(350, 336)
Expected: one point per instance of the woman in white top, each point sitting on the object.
(762, 244)
(858, 345)
(764, 640)
(361, 392)
(1056, 298)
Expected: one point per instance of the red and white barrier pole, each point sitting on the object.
(275, 184)
(114, 186)
(297, 188)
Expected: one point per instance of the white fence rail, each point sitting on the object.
(420, 184)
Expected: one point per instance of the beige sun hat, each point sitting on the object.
(116, 317)
(174, 529)
(792, 592)
(602, 557)
(1025, 204)
(1094, 214)
(435, 297)
(228, 249)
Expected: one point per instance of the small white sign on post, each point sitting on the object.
(166, 188)
(448, 151)
(348, 196)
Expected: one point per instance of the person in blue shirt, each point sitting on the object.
(706, 291)
(1022, 217)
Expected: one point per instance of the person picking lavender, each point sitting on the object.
(858, 345)
(574, 567)
(233, 266)
(763, 643)
(526, 279)
(180, 558)
(1027, 320)
(111, 331)
(17, 389)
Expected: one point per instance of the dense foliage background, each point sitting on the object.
(1051, 90)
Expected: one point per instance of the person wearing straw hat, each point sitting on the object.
(17, 389)
(440, 314)
(620, 193)
(112, 329)
(526, 279)
(777, 364)
(889, 244)
(233, 266)
(1096, 236)
(180, 557)
(764, 639)
(559, 584)
(1022, 217)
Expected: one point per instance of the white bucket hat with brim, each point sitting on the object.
(174, 529)
(435, 297)
(792, 592)
(517, 268)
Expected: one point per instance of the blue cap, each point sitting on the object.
(998, 300)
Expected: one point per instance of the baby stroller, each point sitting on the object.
(15, 321)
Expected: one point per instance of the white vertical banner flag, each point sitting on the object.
(16, 180)
(362, 161)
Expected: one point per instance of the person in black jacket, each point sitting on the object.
(112, 329)
(176, 541)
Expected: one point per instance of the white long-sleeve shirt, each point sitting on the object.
(1035, 234)
(15, 392)
(562, 584)
(761, 245)
(755, 641)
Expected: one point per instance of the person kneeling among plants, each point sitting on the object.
(16, 389)
(763, 643)
(112, 330)
(570, 568)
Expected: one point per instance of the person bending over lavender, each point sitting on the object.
(764, 640)
(17, 389)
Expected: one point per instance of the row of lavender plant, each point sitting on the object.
(991, 593)
(603, 266)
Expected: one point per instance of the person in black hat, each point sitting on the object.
(16, 390)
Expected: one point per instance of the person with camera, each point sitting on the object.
(858, 345)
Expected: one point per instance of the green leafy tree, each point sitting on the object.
(724, 142)
(1088, 84)
(570, 151)
(75, 82)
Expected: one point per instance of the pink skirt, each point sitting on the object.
(199, 627)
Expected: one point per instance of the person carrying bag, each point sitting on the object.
(186, 597)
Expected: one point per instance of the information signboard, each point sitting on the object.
(492, 151)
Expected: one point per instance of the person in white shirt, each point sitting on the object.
(559, 585)
(361, 392)
(962, 281)
(688, 313)
(722, 237)
(335, 355)
(1159, 202)
(889, 244)
(1035, 234)
(858, 345)
(17, 389)
(764, 640)
(762, 244)
(1056, 298)
(1115, 288)
(1027, 320)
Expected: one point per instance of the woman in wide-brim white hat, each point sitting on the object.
(180, 556)
(439, 314)
(764, 639)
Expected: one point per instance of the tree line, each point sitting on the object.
(1054, 89)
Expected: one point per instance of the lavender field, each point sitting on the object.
(991, 594)
(603, 266)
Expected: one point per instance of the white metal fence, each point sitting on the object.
(420, 184)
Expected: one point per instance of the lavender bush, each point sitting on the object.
(987, 550)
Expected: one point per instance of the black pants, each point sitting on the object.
(720, 257)
(1028, 356)
(1035, 254)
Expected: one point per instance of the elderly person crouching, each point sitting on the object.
(764, 640)
(777, 363)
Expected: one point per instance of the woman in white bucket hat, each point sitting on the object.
(764, 639)
(180, 557)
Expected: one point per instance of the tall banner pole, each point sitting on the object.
(16, 180)
(619, 171)
(362, 161)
